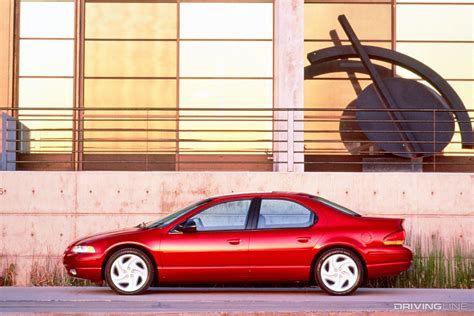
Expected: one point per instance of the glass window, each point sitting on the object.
(320, 18)
(224, 216)
(131, 20)
(130, 59)
(200, 135)
(335, 206)
(45, 76)
(440, 57)
(226, 20)
(47, 19)
(422, 22)
(226, 59)
(46, 57)
(54, 131)
(283, 214)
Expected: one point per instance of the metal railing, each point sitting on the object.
(244, 139)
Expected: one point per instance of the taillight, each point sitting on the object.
(397, 238)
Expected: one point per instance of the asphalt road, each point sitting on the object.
(21, 300)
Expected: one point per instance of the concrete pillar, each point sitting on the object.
(288, 85)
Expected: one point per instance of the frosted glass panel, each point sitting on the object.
(370, 21)
(47, 19)
(131, 20)
(199, 136)
(56, 92)
(52, 94)
(440, 57)
(226, 59)
(226, 20)
(226, 93)
(46, 58)
(122, 59)
(436, 22)
(465, 90)
(129, 93)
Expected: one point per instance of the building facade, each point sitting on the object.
(215, 85)
(120, 87)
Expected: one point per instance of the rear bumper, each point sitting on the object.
(84, 266)
(387, 261)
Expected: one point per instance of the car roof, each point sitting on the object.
(262, 193)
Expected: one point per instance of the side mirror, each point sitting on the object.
(188, 226)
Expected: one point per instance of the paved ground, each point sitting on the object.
(20, 300)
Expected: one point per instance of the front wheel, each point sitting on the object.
(129, 271)
(339, 272)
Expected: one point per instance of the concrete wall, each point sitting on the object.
(42, 212)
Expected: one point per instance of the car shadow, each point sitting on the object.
(244, 290)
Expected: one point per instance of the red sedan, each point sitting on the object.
(256, 237)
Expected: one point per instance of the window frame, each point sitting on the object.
(251, 210)
(257, 214)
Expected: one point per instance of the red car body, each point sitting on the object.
(250, 254)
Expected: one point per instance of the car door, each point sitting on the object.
(282, 241)
(217, 251)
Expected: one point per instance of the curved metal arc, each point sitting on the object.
(321, 61)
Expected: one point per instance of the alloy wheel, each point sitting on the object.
(129, 271)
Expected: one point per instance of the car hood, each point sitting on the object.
(96, 237)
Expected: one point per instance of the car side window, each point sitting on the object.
(275, 213)
(223, 216)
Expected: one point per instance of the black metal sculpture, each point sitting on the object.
(401, 116)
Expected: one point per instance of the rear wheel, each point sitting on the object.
(129, 271)
(339, 272)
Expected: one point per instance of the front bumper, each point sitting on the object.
(83, 265)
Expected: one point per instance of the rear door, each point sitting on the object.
(282, 241)
(217, 251)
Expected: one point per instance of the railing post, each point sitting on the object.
(3, 161)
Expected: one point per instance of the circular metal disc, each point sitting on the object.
(430, 123)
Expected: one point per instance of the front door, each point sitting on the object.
(217, 251)
(281, 246)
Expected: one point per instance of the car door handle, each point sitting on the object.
(234, 241)
(303, 239)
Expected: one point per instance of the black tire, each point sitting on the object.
(124, 253)
(339, 253)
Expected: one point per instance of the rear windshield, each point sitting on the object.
(335, 206)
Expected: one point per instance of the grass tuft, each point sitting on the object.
(435, 266)
(52, 273)
(7, 278)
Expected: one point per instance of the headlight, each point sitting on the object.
(83, 249)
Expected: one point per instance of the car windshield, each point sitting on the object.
(335, 206)
(170, 218)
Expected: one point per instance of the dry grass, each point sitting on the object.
(52, 273)
(7, 278)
